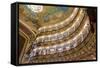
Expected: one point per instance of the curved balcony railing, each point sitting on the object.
(59, 25)
(63, 34)
(71, 43)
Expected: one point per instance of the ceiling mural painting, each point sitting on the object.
(56, 34)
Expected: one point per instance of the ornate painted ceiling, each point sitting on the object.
(56, 34)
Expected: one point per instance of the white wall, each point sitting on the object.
(5, 34)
